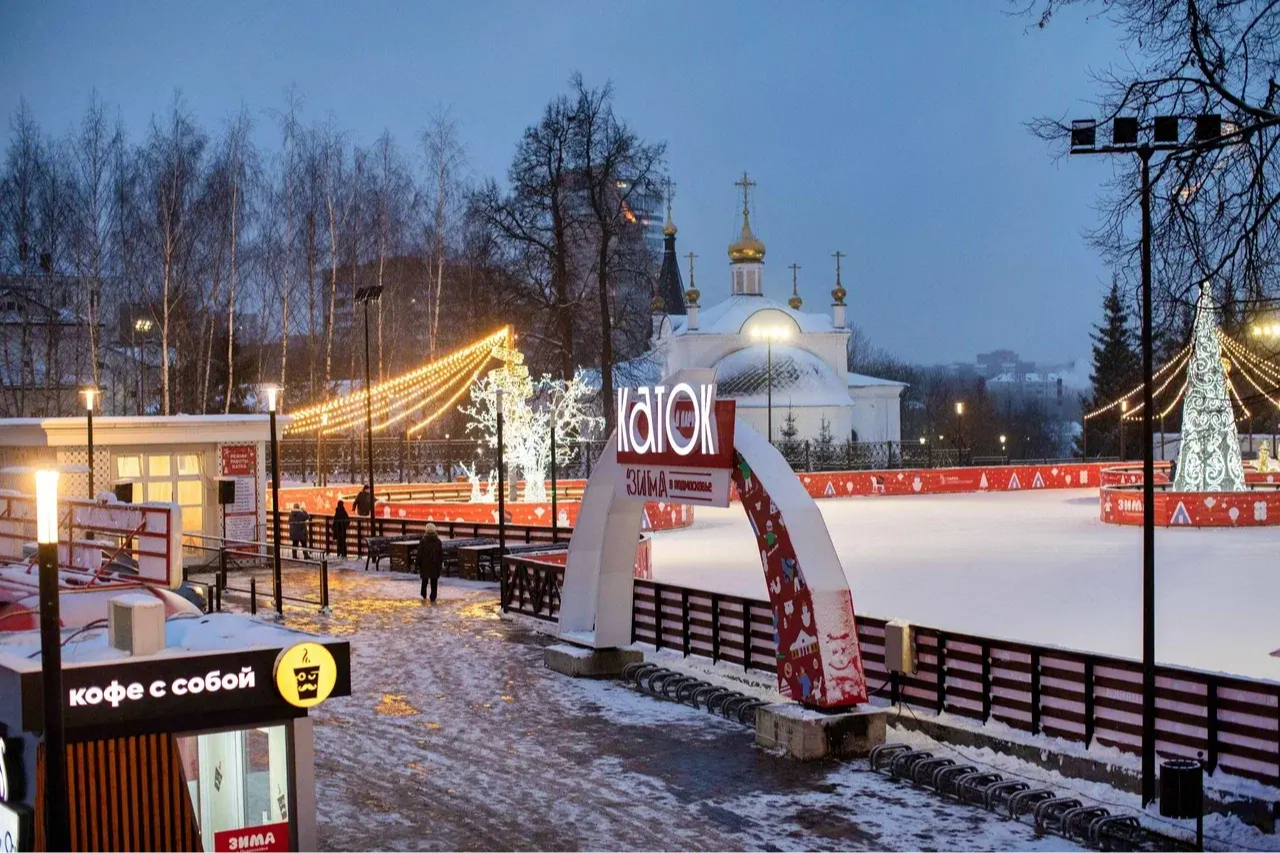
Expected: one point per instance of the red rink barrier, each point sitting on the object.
(939, 481)
(1120, 501)
(644, 559)
(658, 515)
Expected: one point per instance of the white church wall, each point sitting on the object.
(808, 420)
(877, 414)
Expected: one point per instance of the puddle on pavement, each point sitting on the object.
(487, 609)
(394, 705)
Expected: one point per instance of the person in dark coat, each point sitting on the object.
(341, 521)
(430, 560)
(364, 501)
(298, 519)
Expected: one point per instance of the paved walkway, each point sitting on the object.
(457, 738)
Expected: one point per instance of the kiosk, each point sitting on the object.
(204, 745)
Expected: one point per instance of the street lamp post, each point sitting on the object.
(90, 396)
(502, 504)
(272, 394)
(770, 334)
(959, 432)
(554, 521)
(1124, 140)
(56, 812)
(367, 296)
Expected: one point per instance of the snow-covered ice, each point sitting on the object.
(1035, 566)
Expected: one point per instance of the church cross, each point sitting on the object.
(837, 254)
(794, 269)
(691, 256)
(746, 183)
(670, 188)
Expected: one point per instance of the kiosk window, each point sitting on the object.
(128, 467)
(237, 779)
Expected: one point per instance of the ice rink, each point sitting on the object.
(1032, 566)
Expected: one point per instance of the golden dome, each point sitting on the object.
(658, 305)
(795, 302)
(748, 248)
(669, 229)
(691, 296)
(838, 294)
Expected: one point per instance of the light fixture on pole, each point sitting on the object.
(56, 812)
(90, 397)
(1125, 131)
(366, 296)
(770, 334)
(959, 432)
(1003, 451)
(273, 394)
(142, 326)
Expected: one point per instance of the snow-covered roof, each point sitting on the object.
(184, 635)
(800, 378)
(145, 429)
(728, 317)
(860, 380)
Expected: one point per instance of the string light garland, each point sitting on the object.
(398, 398)
(1172, 363)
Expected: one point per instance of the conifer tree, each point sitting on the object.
(1115, 373)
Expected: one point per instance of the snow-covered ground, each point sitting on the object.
(456, 737)
(1031, 566)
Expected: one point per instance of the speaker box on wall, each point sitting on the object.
(226, 492)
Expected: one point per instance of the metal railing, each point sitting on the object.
(218, 560)
(1073, 695)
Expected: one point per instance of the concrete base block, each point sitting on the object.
(578, 662)
(806, 734)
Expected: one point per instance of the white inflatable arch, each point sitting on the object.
(814, 632)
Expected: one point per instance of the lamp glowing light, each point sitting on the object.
(47, 507)
(90, 397)
(959, 408)
(272, 392)
(922, 439)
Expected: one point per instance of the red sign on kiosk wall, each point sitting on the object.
(253, 839)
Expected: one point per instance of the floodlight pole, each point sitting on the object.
(1148, 504)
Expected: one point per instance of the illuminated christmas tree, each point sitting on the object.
(1209, 455)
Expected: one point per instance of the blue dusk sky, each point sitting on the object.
(893, 132)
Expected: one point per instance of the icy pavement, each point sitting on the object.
(456, 738)
(1032, 566)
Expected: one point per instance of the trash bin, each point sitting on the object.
(1181, 788)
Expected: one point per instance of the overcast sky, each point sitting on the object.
(891, 132)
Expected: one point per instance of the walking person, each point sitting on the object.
(298, 519)
(430, 560)
(364, 501)
(341, 521)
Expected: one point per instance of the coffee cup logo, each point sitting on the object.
(305, 674)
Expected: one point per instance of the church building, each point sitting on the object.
(762, 348)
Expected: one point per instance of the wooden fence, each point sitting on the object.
(1076, 696)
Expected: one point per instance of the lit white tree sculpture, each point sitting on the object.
(528, 409)
(1209, 455)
